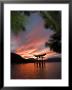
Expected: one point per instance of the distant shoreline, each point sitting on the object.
(16, 59)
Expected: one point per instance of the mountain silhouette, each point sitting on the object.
(54, 59)
(15, 58)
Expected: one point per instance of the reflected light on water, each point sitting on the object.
(39, 70)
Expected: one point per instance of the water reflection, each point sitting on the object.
(40, 65)
(38, 70)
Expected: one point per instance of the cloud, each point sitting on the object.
(32, 41)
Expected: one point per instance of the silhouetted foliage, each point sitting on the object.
(18, 21)
(19, 18)
(52, 19)
(27, 13)
(55, 42)
(54, 22)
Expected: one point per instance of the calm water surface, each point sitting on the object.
(47, 70)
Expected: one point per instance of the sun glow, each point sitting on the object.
(30, 53)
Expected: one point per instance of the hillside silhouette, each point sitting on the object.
(15, 58)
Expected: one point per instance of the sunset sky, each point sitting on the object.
(32, 41)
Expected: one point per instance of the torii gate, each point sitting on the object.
(40, 56)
